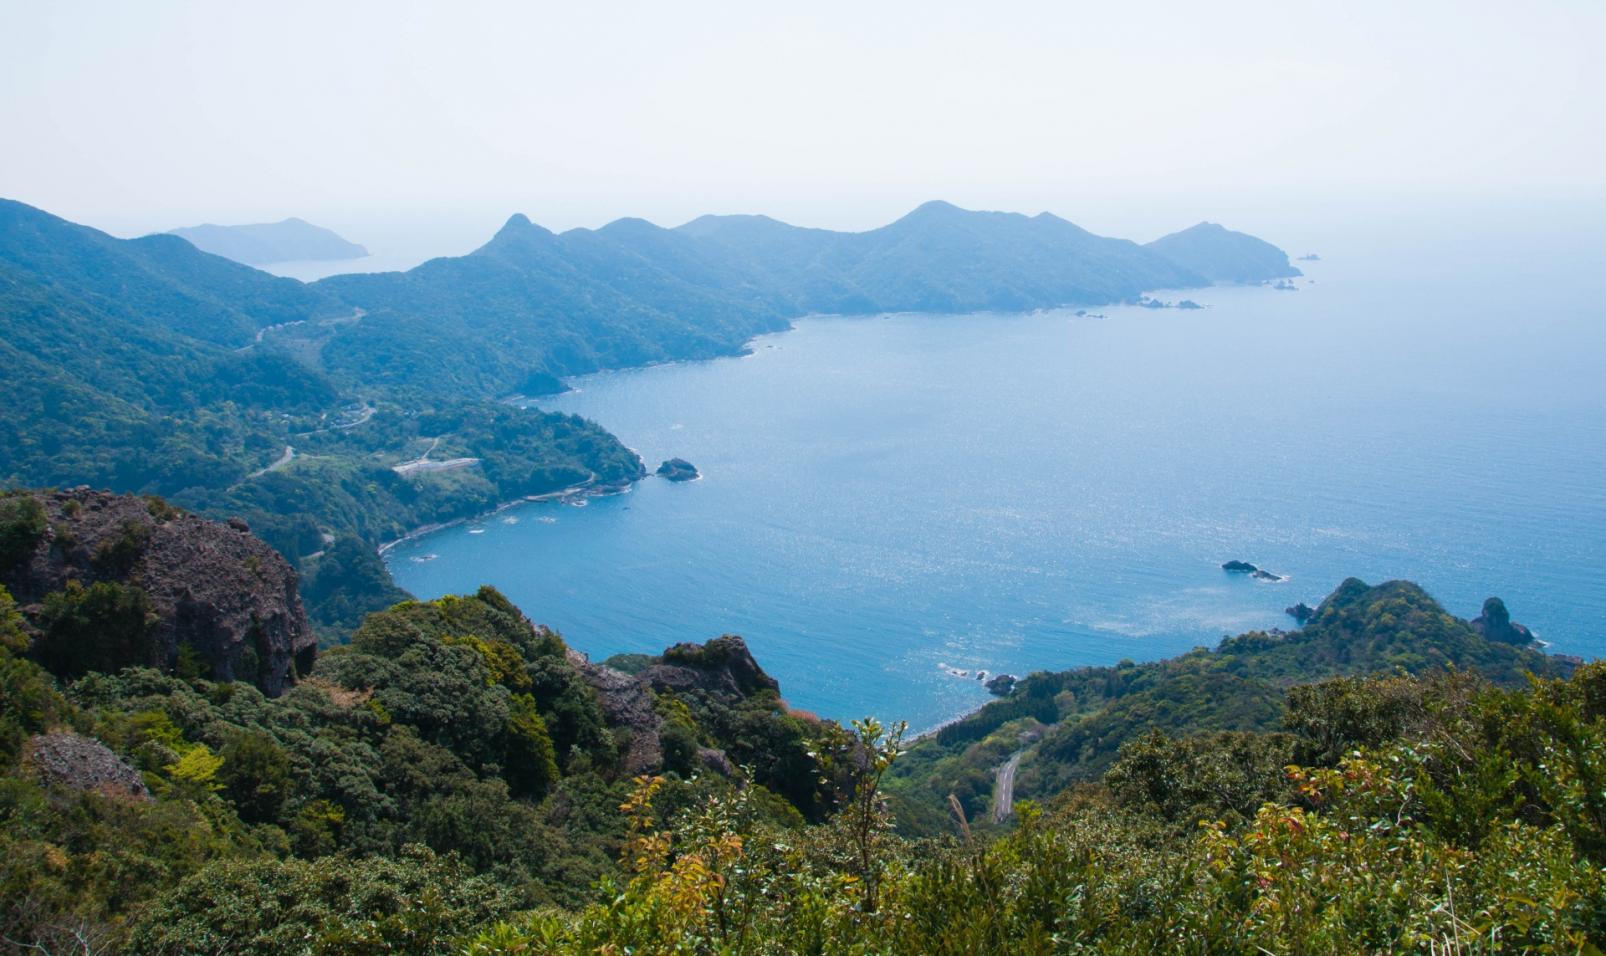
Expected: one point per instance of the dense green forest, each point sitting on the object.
(147, 366)
(1069, 726)
(456, 780)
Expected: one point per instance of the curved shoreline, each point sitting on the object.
(585, 489)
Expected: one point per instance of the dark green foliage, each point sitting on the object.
(256, 776)
(415, 903)
(1441, 807)
(1347, 713)
(531, 767)
(1225, 775)
(116, 554)
(22, 524)
(1087, 715)
(29, 702)
(104, 627)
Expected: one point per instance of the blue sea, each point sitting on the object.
(888, 501)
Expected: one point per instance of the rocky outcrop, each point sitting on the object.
(1001, 684)
(721, 671)
(212, 587)
(1244, 567)
(678, 469)
(1300, 612)
(82, 763)
(627, 707)
(1495, 624)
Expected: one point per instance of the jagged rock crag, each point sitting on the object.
(721, 670)
(1495, 623)
(213, 587)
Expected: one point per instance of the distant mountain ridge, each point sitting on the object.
(532, 303)
(1223, 255)
(290, 240)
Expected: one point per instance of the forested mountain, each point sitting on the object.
(940, 258)
(148, 366)
(1069, 726)
(531, 305)
(456, 780)
(291, 240)
(1221, 255)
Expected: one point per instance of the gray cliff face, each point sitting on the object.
(213, 587)
(722, 670)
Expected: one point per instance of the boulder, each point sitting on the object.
(83, 763)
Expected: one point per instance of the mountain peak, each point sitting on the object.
(1222, 255)
(935, 207)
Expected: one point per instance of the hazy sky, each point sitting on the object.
(142, 116)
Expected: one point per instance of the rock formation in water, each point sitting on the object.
(1001, 684)
(1300, 612)
(1244, 567)
(1495, 623)
(678, 469)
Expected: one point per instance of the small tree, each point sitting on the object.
(871, 750)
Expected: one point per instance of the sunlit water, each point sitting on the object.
(888, 497)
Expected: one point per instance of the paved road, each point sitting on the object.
(1004, 789)
(284, 459)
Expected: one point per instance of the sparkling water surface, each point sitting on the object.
(889, 500)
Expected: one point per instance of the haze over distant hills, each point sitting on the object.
(292, 240)
(633, 293)
(1224, 255)
(150, 366)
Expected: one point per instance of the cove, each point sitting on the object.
(890, 500)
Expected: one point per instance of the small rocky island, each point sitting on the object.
(1300, 612)
(1244, 567)
(678, 469)
(1001, 684)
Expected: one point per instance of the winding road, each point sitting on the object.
(1004, 788)
(284, 459)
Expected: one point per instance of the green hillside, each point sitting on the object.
(456, 781)
(1069, 726)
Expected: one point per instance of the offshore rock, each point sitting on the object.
(678, 469)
